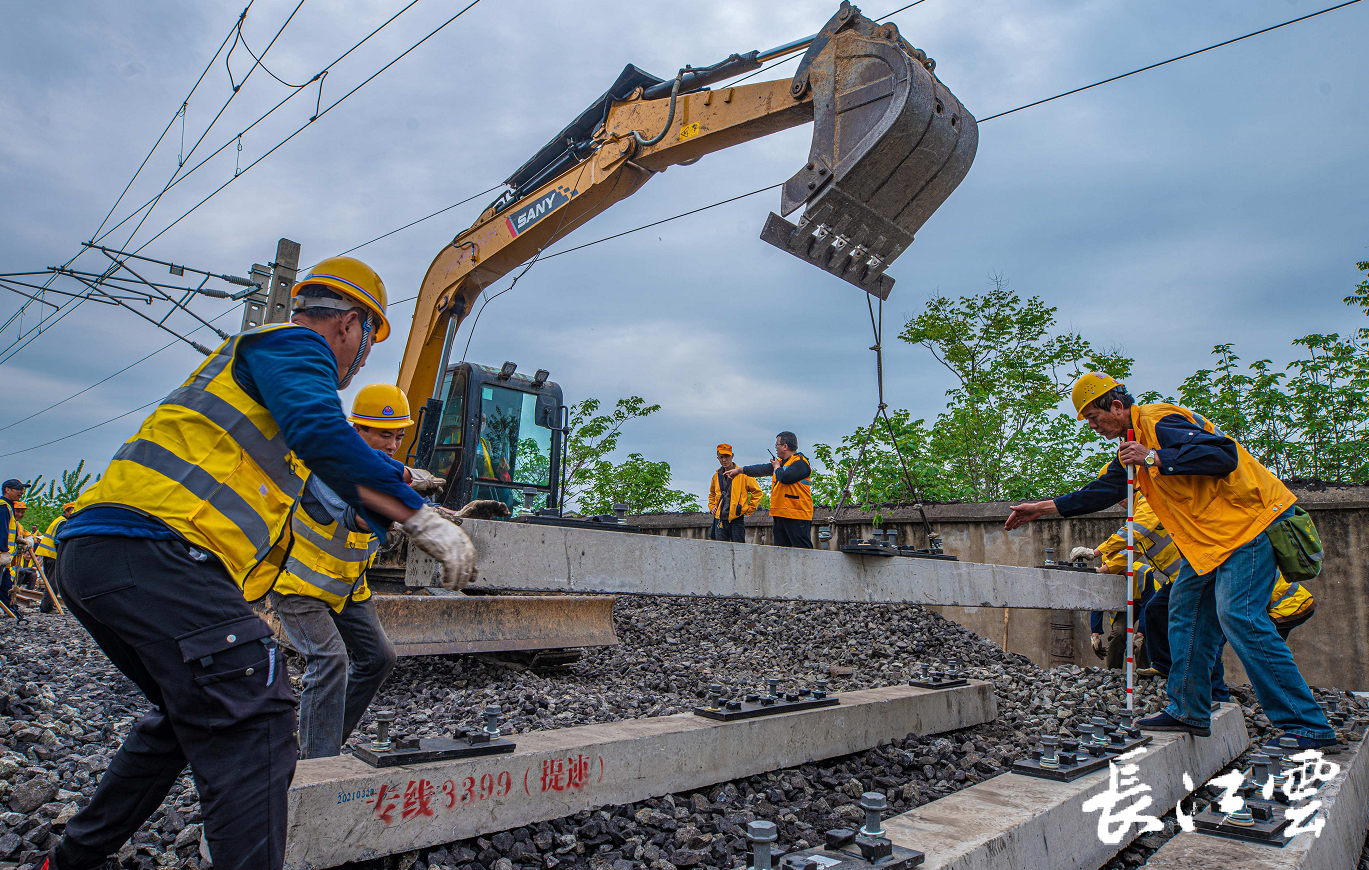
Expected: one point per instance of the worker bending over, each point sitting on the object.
(1157, 562)
(47, 551)
(322, 600)
(731, 499)
(791, 495)
(191, 521)
(1217, 501)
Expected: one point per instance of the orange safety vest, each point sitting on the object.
(1209, 517)
(792, 501)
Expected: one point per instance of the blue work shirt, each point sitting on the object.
(293, 373)
(1185, 448)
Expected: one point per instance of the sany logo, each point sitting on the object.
(531, 214)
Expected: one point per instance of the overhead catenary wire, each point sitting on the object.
(760, 190)
(309, 123)
(1173, 59)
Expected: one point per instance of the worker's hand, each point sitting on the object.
(733, 472)
(774, 463)
(445, 542)
(1028, 511)
(1082, 553)
(424, 482)
(1132, 453)
(1096, 640)
(483, 509)
(6, 559)
(1138, 641)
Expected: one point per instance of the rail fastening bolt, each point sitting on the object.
(492, 721)
(761, 835)
(873, 803)
(381, 742)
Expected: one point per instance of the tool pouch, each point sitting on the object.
(1297, 546)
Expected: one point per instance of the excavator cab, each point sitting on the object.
(497, 435)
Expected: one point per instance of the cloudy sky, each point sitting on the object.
(1217, 199)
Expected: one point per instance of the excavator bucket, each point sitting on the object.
(890, 143)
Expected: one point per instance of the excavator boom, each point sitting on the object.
(890, 143)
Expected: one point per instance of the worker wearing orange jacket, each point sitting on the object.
(731, 499)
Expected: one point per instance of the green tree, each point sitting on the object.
(593, 484)
(876, 476)
(1003, 435)
(642, 485)
(45, 505)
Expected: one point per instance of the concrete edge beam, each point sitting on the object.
(342, 810)
(1345, 806)
(526, 557)
(1025, 823)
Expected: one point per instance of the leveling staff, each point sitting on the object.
(1217, 501)
(189, 522)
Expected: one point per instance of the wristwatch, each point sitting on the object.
(1150, 459)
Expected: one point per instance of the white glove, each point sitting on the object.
(425, 482)
(1082, 553)
(6, 559)
(445, 542)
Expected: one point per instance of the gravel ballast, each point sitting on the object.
(64, 710)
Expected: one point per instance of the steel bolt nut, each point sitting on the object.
(381, 742)
(873, 803)
(761, 834)
(491, 715)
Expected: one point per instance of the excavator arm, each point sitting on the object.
(890, 143)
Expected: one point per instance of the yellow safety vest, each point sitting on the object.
(1155, 548)
(1209, 517)
(793, 501)
(211, 464)
(47, 548)
(13, 541)
(327, 561)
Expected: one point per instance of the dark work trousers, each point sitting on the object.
(50, 572)
(793, 533)
(6, 585)
(336, 689)
(172, 619)
(729, 530)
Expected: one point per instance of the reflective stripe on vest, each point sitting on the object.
(321, 557)
(47, 547)
(13, 534)
(211, 464)
(1292, 590)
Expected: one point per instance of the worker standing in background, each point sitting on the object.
(1217, 501)
(791, 495)
(322, 600)
(12, 491)
(47, 551)
(731, 499)
(191, 521)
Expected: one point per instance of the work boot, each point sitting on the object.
(1327, 747)
(1162, 721)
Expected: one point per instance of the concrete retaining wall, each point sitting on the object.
(1331, 650)
(343, 810)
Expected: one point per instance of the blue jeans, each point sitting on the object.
(1233, 600)
(336, 689)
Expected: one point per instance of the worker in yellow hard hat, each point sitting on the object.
(1223, 509)
(731, 499)
(189, 523)
(47, 551)
(322, 599)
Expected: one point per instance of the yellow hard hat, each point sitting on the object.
(381, 406)
(353, 279)
(1089, 387)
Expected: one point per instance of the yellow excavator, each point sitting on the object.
(890, 143)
